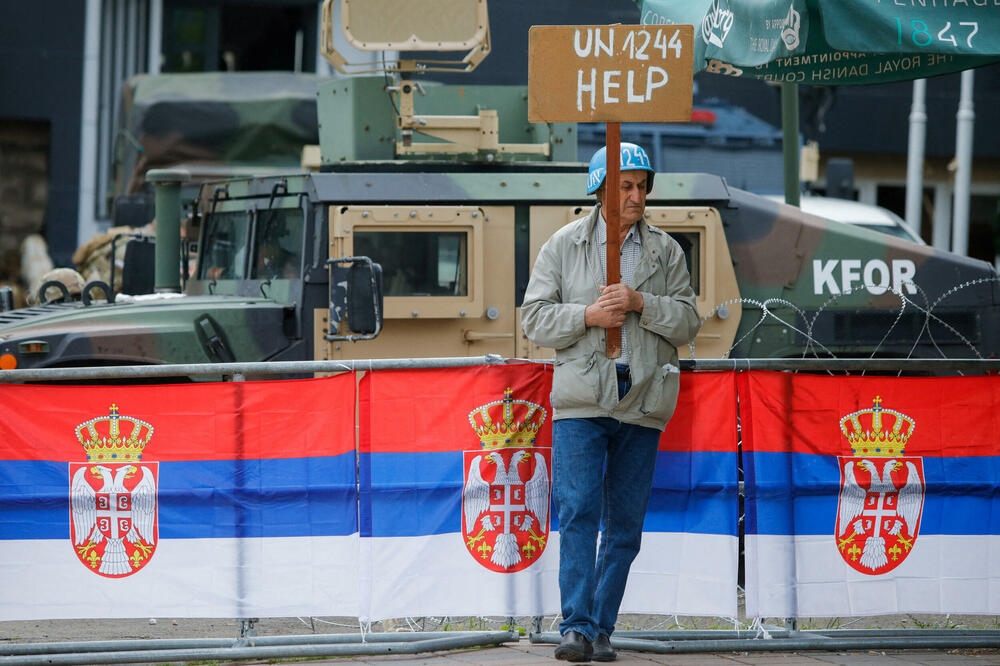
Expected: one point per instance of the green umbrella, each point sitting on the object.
(832, 42)
(835, 42)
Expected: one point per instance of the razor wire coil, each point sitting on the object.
(814, 347)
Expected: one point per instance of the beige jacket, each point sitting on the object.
(565, 280)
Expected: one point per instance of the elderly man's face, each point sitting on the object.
(632, 197)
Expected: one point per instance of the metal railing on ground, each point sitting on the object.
(669, 642)
(263, 647)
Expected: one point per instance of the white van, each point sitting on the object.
(855, 212)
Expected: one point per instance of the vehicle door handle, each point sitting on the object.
(473, 336)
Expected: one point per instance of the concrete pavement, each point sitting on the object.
(520, 653)
(525, 653)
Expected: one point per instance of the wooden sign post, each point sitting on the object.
(612, 185)
(611, 74)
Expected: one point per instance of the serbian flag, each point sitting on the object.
(455, 492)
(871, 495)
(202, 500)
(689, 563)
(455, 489)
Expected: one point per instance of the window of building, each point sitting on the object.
(893, 197)
(984, 227)
(124, 53)
(223, 35)
(984, 218)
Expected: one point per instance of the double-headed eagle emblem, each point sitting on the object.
(881, 491)
(113, 496)
(505, 501)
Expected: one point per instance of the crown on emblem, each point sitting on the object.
(507, 422)
(868, 435)
(103, 439)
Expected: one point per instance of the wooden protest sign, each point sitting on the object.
(611, 74)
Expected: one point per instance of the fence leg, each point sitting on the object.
(248, 626)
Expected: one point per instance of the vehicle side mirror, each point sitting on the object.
(355, 294)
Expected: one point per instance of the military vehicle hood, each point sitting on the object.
(155, 329)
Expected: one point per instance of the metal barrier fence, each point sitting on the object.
(249, 646)
(239, 371)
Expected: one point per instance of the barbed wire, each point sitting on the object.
(815, 348)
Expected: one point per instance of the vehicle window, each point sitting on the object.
(690, 242)
(224, 250)
(278, 244)
(418, 263)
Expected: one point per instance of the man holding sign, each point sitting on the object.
(608, 412)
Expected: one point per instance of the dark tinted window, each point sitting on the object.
(690, 242)
(225, 245)
(418, 263)
(278, 245)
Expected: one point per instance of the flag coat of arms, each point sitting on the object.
(113, 496)
(881, 491)
(506, 498)
(114, 516)
(455, 486)
(242, 504)
(870, 495)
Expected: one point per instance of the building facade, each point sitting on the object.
(66, 62)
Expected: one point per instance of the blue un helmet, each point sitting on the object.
(633, 158)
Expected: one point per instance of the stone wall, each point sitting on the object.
(24, 189)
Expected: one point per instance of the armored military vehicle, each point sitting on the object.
(452, 193)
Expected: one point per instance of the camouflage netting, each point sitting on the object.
(231, 120)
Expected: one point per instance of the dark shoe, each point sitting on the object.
(574, 647)
(603, 650)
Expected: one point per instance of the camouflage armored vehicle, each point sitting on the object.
(214, 125)
(452, 192)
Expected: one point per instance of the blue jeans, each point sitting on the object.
(602, 473)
